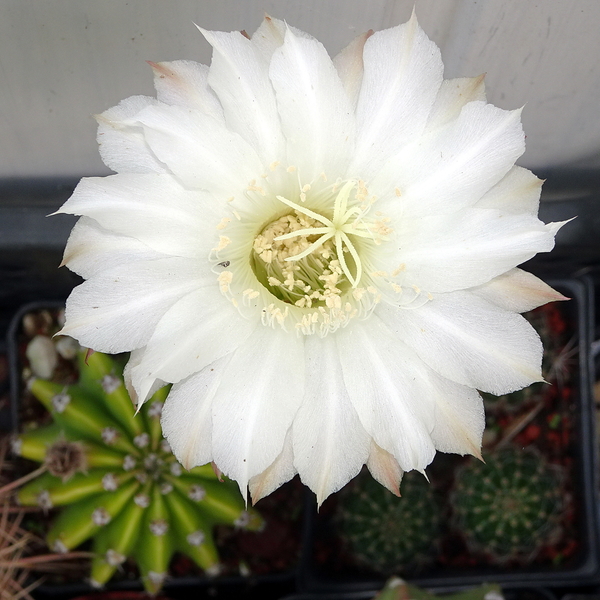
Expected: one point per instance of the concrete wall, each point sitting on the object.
(63, 60)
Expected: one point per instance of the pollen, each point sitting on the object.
(398, 270)
(224, 241)
(223, 223)
(253, 187)
(225, 278)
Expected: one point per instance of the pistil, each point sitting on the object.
(338, 228)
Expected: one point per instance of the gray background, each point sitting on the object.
(61, 61)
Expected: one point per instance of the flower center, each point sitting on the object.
(295, 269)
(307, 259)
(310, 262)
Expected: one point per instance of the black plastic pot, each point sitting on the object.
(320, 578)
(264, 586)
(516, 594)
(251, 588)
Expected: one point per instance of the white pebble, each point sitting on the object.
(67, 347)
(42, 356)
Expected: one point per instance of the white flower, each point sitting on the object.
(319, 254)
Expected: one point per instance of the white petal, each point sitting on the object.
(517, 291)
(455, 165)
(281, 470)
(153, 209)
(384, 468)
(199, 328)
(388, 387)
(330, 444)
(270, 35)
(459, 417)
(452, 96)
(135, 358)
(256, 403)
(239, 74)
(187, 415)
(201, 152)
(518, 192)
(316, 116)
(470, 341)
(461, 250)
(184, 83)
(349, 65)
(122, 145)
(402, 74)
(91, 249)
(117, 310)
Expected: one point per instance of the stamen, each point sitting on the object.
(352, 230)
(306, 211)
(304, 232)
(313, 246)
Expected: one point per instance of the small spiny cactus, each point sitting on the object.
(510, 506)
(119, 481)
(387, 533)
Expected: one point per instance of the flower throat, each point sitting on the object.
(307, 259)
(304, 269)
(297, 268)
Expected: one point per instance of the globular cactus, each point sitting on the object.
(119, 481)
(386, 533)
(509, 507)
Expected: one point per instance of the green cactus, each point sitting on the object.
(510, 506)
(386, 533)
(119, 481)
